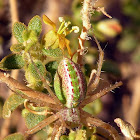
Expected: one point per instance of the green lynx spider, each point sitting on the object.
(59, 113)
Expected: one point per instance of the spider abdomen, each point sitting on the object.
(69, 83)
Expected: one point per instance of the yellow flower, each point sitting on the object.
(57, 38)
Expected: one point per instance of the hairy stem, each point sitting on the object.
(86, 26)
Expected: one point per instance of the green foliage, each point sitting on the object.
(58, 88)
(93, 108)
(31, 119)
(80, 134)
(17, 31)
(42, 135)
(55, 53)
(64, 138)
(34, 72)
(11, 104)
(35, 25)
(15, 136)
(17, 48)
(51, 67)
(30, 39)
(33, 68)
(12, 61)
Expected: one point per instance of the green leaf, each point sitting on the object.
(17, 48)
(42, 135)
(15, 136)
(72, 135)
(17, 31)
(33, 68)
(12, 61)
(35, 24)
(11, 104)
(64, 137)
(50, 38)
(30, 39)
(58, 88)
(32, 119)
(93, 108)
(81, 135)
(55, 53)
(52, 67)
(33, 72)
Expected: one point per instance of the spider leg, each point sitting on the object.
(42, 124)
(88, 120)
(99, 94)
(59, 128)
(94, 81)
(28, 93)
(92, 75)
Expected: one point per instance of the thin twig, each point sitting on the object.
(14, 15)
(86, 26)
(134, 109)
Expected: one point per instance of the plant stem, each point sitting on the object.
(86, 26)
(14, 15)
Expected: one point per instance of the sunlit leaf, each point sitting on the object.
(35, 25)
(11, 104)
(17, 31)
(32, 119)
(64, 138)
(17, 48)
(15, 136)
(12, 61)
(35, 69)
(30, 39)
(93, 108)
(34, 72)
(53, 52)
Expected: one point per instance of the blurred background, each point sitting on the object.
(119, 38)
